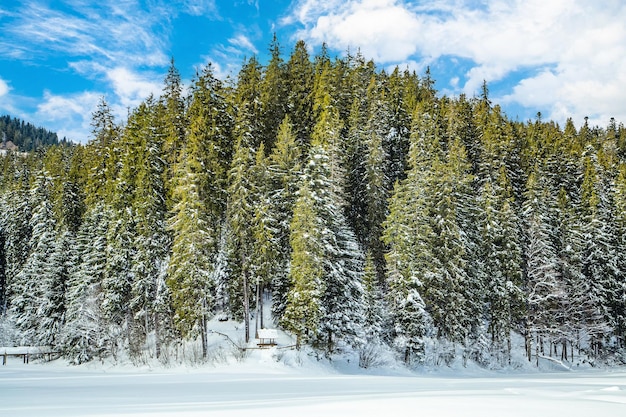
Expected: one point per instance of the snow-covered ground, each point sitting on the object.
(261, 386)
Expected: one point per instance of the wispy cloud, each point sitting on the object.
(131, 88)
(243, 42)
(69, 114)
(227, 58)
(574, 50)
(200, 7)
(108, 32)
(121, 46)
(4, 87)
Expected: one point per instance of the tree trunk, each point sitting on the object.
(157, 335)
(528, 341)
(537, 351)
(246, 306)
(256, 317)
(508, 348)
(260, 313)
(329, 347)
(203, 332)
(204, 338)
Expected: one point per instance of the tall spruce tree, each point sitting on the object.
(304, 310)
(544, 290)
(283, 171)
(85, 334)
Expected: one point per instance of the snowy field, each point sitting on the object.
(261, 387)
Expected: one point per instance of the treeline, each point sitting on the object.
(26, 136)
(374, 213)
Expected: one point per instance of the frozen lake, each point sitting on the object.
(50, 390)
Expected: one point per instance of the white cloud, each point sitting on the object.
(110, 32)
(4, 87)
(574, 50)
(377, 27)
(243, 42)
(131, 88)
(200, 7)
(68, 115)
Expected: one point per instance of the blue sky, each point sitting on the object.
(564, 58)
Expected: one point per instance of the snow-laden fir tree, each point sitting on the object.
(304, 309)
(600, 264)
(85, 334)
(544, 289)
(284, 170)
(33, 285)
(16, 219)
(342, 257)
(190, 264)
(501, 267)
(150, 298)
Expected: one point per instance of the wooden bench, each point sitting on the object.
(267, 338)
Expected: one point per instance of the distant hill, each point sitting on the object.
(16, 134)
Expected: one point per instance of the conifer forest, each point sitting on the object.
(358, 205)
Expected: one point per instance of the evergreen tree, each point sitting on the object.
(600, 264)
(102, 156)
(300, 94)
(284, 170)
(175, 122)
(189, 268)
(33, 288)
(304, 308)
(501, 255)
(377, 182)
(17, 237)
(373, 313)
(150, 299)
(240, 212)
(273, 95)
(544, 292)
(343, 257)
(85, 335)
(580, 312)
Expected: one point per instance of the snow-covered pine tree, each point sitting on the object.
(343, 258)
(408, 233)
(580, 312)
(600, 264)
(150, 301)
(304, 309)
(412, 325)
(376, 181)
(273, 96)
(300, 94)
(17, 234)
(244, 192)
(33, 285)
(501, 267)
(118, 278)
(85, 334)
(450, 290)
(52, 310)
(283, 171)
(373, 305)
(620, 206)
(189, 268)
(544, 289)
(264, 262)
